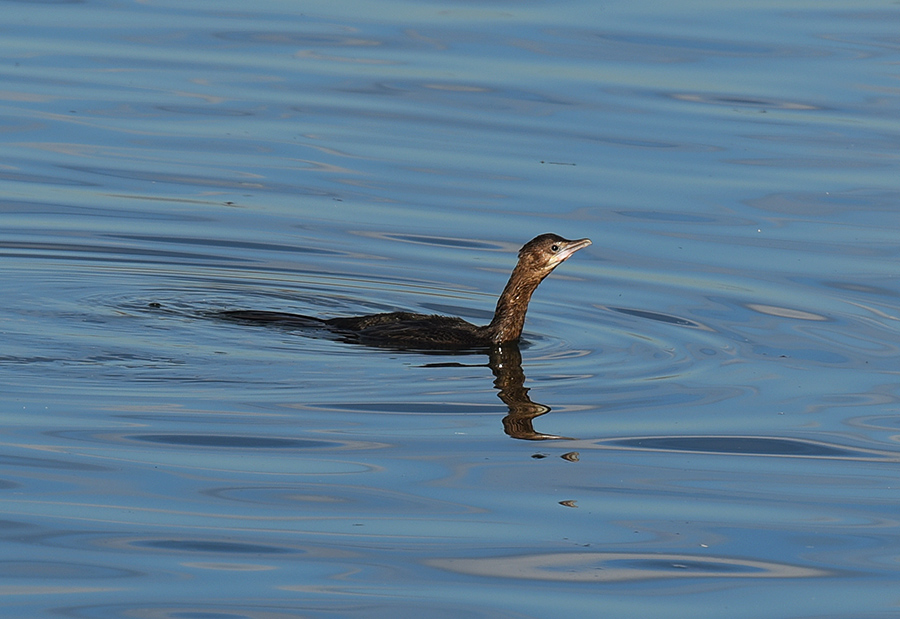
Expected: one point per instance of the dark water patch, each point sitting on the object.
(438, 241)
(645, 143)
(43, 209)
(24, 360)
(480, 95)
(203, 110)
(639, 47)
(195, 180)
(45, 1)
(212, 547)
(877, 46)
(340, 500)
(331, 603)
(61, 570)
(742, 101)
(73, 251)
(49, 463)
(825, 357)
(861, 203)
(510, 125)
(40, 179)
(748, 446)
(646, 44)
(810, 162)
(868, 289)
(295, 38)
(110, 365)
(668, 216)
(236, 442)
(15, 527)
(231, 244)
(658, 316)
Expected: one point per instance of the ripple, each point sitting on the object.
(212, 547)
(43, 209)
(743, 101)
(61, 570)
(642, 345)
(235, 442)
(640, 47)
(227, 441)
(748, 446)
(293, 39)
(820, 204)
(658, 316)
(48, 463)
(213, 452)
(333, 601)
(668, 216)
(203, 110)
(440, 241)
(100, 253)
(415, 408)
(786, 312)
(621, 567)
(333, 499)
(127, 544)
(39, 179)
(196, 180)
(231, 244)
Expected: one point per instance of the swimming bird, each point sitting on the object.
(407, 330)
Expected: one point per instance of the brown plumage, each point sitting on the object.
(537, 259)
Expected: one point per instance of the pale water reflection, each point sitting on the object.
(713, 383)
(621, 567)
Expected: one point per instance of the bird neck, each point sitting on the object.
(509, 316)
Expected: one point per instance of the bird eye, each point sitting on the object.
(554, 248)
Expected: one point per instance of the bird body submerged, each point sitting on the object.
(537, 259)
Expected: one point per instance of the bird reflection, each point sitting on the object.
(505, 362)
(509, 379)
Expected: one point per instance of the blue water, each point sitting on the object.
(718, 369)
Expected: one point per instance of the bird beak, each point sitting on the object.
(571, 248)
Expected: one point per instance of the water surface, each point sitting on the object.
(704, 419)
